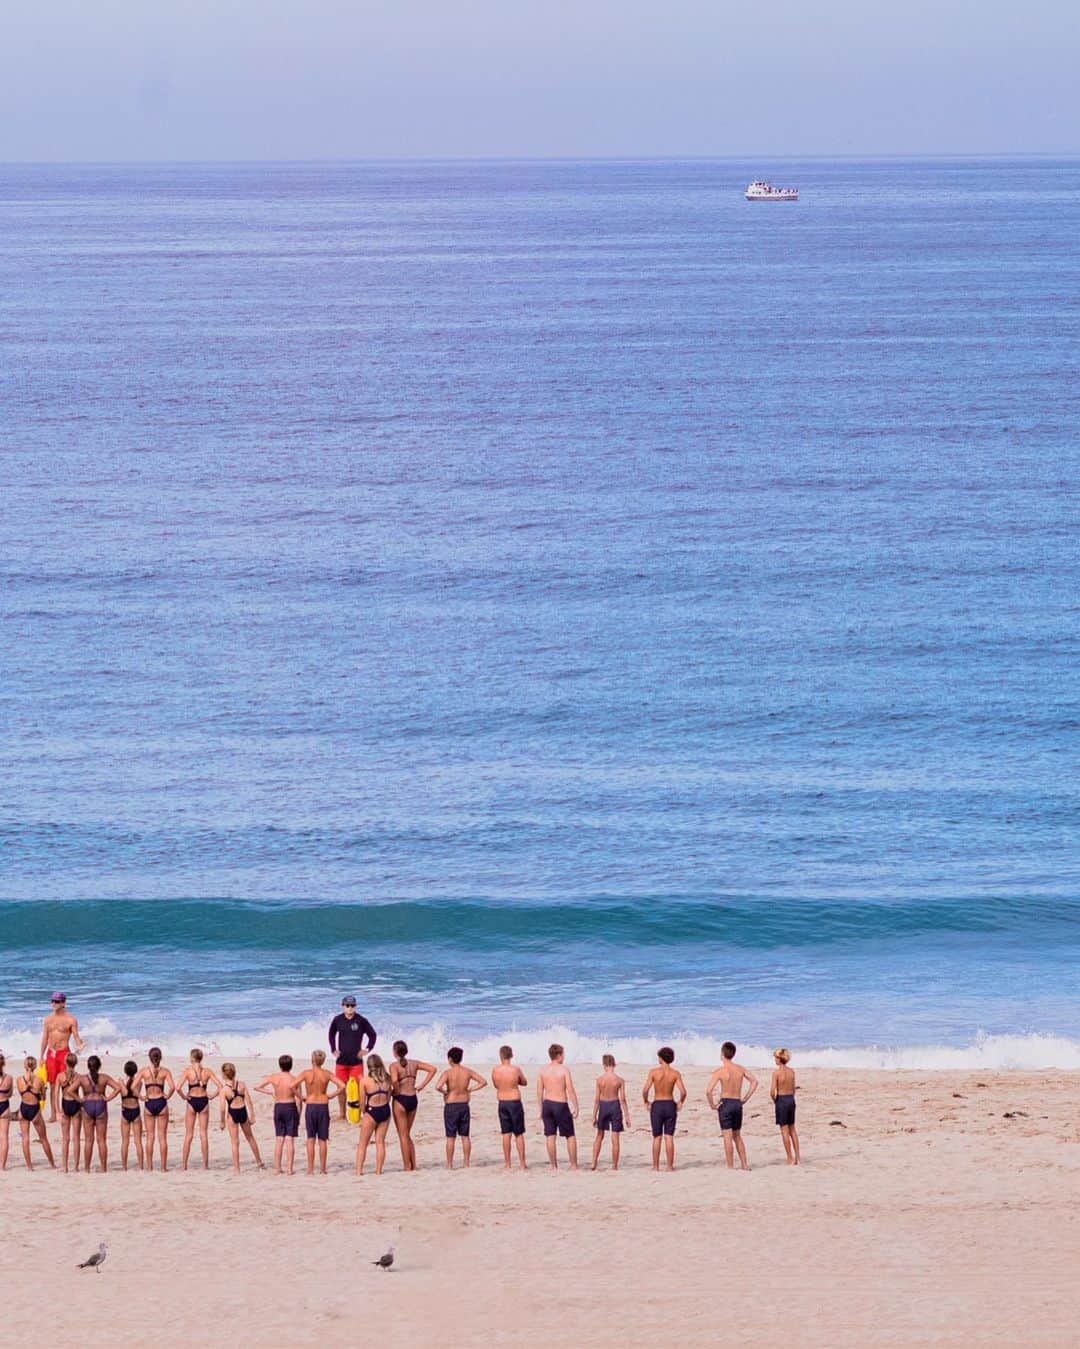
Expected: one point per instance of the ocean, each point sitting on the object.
(547, 599)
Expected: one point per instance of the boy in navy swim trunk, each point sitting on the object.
(558, 1104)
(508, 1079)
(664, 1081)
(611, 1114)
(732, 1077)
(284, 1088)
(456, 1086)
(782, 1090)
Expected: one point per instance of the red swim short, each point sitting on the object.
(344, 1071)
(54, 1062)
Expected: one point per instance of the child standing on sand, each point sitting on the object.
(782, 1091)
(610, 1111)
(284, 1088)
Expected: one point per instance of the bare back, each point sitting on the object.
(314, 1081)
(457, 1084)
(608, 1086)
(784, 1081)
(553, 1079)
(508, 1080)
(663, 1082)
(732, 1076)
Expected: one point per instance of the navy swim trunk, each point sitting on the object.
(785, 1110)
(609, 1116)
(662, 1116)
(286, 1119)
(512, 1118)
(730, 1113)
(317, 1121)
(456, 1118)
(557, 1119)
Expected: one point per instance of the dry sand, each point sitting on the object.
(928, 1217)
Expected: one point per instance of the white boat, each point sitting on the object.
(760, 190)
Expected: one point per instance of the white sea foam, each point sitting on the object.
(986, 1052)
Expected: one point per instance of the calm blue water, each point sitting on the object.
(542, 594)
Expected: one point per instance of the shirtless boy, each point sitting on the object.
(610, 1111)
(732, 1077)
(283, 1087)
(664, 1081)
(508, 1079)
(456, 1085)
(57, 1031)
(782, 1090)
(558, 1106)
(317, 1086)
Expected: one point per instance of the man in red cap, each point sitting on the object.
(57, 1031)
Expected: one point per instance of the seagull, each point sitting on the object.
(96, 1260)
(383, 1262)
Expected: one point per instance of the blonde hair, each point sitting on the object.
(782, 1055)
(228, 1070)
(377, 1070)
(196, 1056)
(318, 1057)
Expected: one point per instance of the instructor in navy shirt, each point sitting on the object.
(347, 1034)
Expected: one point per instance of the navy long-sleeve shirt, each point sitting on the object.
(347, 1038)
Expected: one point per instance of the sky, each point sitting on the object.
(360, 79)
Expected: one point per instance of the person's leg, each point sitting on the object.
(290, 1153)
(520, 1141)
(380, 1146)
(101, 1130)
(412, 1145)
(322, 1156)
(88, 1143)
(125, 1140)
(162, 1123)
(401, 1117)
(24, 1136)
(656, 1154)
(39, 1123)
(65, 1141)
(450, 1153)
(279, 1147)
(729, 1150)
(571, 1148)
(598, 1143)
(234, 1144)
(506, 1150)
(5, 1138)
(549, 1143)
(794, 1142)
(367, 1128)
(785, 1138)
(311, 1154)
(740, 1149)
(204, 1137)
(140, 1147)
(342, 1076)
(466, 1150)
(669, 1148)
(616, 1148)
(151, 1139)
(189, 1136)
(253, 1144)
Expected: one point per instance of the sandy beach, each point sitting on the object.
(924, 1214)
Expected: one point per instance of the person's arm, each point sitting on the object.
(682, 1087)
(44, 1040)
(179, 1085)
(711, 1088)
(169, 1082)
(366, 1028)
(217, 1085)
(523, 1081)
(430, 1070)
(572, 1095)
(79, 1044)
(624, 1102)
(440, 1086)
(596, 1103)
(540, 1090)
(481, 1082)
(772, 1084)
(332, 1036)
(338, 1087)
(749, 1077)
(112, 1088)
(265, 1086)
(646, 1088)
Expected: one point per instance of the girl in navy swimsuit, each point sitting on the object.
(7, 1086)
(375, 1089)
(403, 1074)
(157, 1085)
(198, 1080)
(131, 1125)
(238, 1110)
(98, 1089)
(70, 1111)
(32, 1091)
